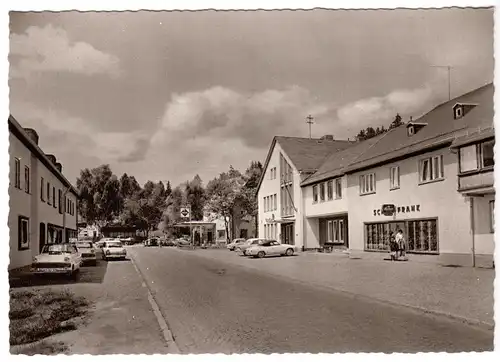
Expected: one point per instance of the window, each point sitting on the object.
(17, 180)
(272, 173)
(275, 202)
(42, 189)
(431, 169)
(487, 159)
(468, 158)
(23, 233)
(421, 236)
(394, 178)
(221, 234)
(27, 179)
(48, 193)
(322, 192)
(60, 202)
(54, 197)
(411, 131)
(338, 188)
(492, 216)
(315, 193)
(265, 203)
(458, 112)
(329, 189)
(367, 184)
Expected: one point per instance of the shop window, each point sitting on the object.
(422, 236)
(367, 184)
(394, 178)
(17, 180)
(23, 233)
(329, 190)
(315, 193)
(42, 189)
(335, 231)
(492, 216)
(487, 159)
(338, 188)
(431, 169)
(221, 234)
(322, 192)
(27, 179)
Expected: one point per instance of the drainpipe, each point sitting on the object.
(473, 231)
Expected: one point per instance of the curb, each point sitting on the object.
(469, 321)
(166, 332)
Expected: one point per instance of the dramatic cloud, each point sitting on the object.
(49, 49)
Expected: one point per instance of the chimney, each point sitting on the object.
(32, 134)
(52, 158)
(327, 137)
(59, 166)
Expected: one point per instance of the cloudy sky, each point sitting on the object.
(167, 95)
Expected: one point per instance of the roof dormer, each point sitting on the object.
(461, 109)
(413, 127)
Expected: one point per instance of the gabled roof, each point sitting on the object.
(441, 129)
(305, 154)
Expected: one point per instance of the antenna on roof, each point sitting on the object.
(310, 122)
(448, 67)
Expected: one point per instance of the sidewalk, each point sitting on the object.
(462, 293)
(121, 320)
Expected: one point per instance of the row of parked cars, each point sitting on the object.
(68, 258)
(156, 241)
(260, 248)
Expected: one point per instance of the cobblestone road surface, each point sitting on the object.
(216, 307)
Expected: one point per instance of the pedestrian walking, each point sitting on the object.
(400, 241)
(393, 246)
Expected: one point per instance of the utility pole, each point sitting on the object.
(448, 68)
(310, 122)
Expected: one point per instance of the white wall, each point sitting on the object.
(484, 238)
(438, 199)
(327, 207)
(19, 204)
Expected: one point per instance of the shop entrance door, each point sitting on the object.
(288, 233)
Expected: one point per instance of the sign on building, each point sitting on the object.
(388, 209)
(185, 212)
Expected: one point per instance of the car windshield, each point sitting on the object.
(57, 249)
(84, 245)
(113, 245)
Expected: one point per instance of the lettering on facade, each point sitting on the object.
(399, 210)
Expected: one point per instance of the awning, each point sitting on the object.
(194, 223)
(283, 221)
(479, 192)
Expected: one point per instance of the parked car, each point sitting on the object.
(168, 242)
(113, 250)
(235, 243)
(127, 241)
(182, 242)
(270, 248)
(152, 242)
(241, 249)
(57, 259)
(101, 242)
(87, 252)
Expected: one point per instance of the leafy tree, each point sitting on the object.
(171, 212)
(249, 193)
(361, 136)
(100, 198)
(195, 197)
(168, 189)
(370, 132)
(397, 122)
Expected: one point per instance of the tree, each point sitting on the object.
(361, 136)
(195, 197)
(128, 187)
(100, 198)
(168, 189)
(370, 132)
(223, 193)
(397, 122)
(249, 193)
(171, 213)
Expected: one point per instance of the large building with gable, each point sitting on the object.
(431, 177)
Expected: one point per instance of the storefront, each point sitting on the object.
(333, 232)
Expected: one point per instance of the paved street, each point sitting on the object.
(218, 306)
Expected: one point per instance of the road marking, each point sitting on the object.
(166, 332)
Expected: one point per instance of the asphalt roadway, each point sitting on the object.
(216, 307)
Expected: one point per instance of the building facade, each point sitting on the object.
(43, 203)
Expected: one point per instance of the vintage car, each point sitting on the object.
(152, 242)
(113, 249)
(57, 259)
(242, 248)
(270, 248)
(235, 243)
(87, 252)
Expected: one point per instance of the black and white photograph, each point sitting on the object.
(259, 181)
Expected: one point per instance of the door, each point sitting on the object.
(42, 237)
(287, 231)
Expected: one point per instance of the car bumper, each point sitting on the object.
(115, 256)
(86, 259)
(40, 271)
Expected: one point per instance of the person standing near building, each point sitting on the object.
(400, 240)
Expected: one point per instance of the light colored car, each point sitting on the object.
(101, 242)
(87, 252)
(270, 248)
(241, 249)
(235, 243)
(57, 259)
(113, 249)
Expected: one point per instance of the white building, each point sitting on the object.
(432, 178)
(43, 203)
(289, 161)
